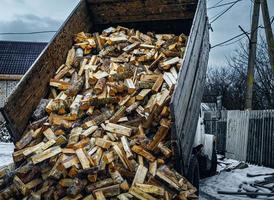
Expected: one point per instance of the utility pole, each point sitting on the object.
(268, 32)
(252, 55)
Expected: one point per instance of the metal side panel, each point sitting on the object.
(34, 85)
(186, 100)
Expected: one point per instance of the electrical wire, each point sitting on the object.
(217, 3)
(224, 4)
(231, 39)
(26, 33)
(223, 12)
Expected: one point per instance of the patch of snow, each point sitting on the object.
(230, 181)
(6, 150)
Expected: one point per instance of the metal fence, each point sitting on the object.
(245, 135)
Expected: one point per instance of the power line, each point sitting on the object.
(221, 5)
(26, 33)
(217, 3)
(223, 12)
(233, 38)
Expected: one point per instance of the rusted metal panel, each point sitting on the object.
(34, 85)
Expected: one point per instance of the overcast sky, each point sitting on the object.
(40, 15)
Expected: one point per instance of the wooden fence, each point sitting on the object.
(245, 135)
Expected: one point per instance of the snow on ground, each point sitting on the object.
(6, 149)
(230, 181)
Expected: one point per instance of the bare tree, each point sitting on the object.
(230, 80)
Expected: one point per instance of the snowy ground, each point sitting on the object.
(228, 181)
(6, 150)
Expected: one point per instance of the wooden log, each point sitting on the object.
(118, 129)
(123, 157)
(25, 140)
(99, 119)
(99, 184)
(119, 113)
(75, 106)
(131, 47)
(100, 195)
(74, 136)
(126, 147)
(130, 86)
(143, 94)
(167, 64)
(165, 150)
(103, 143)
(151, 189)
(100, 85)
(158, 137)
(153, 168)
(140, 151)
(70, 161)
(82, 158)
(61, 85)
(53, 151)
(140, 175)
(49, 134)
(89, 131)
(139, 194)
(20, 185)
(158, 84)
(109, 191)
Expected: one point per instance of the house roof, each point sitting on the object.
(17, 57)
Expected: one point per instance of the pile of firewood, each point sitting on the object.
(107, 131)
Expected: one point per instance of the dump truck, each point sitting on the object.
(164, 16)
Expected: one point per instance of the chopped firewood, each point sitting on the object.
(123, 157)
(53, 151)
(89, 131)
(166, 64)
(119, 113)
(105, 144)
(139, 150)
(82, 158)
(109, 191)
(100, 195)
(126, 147)
(158, 84)
(159, 136)
(49, 134)
(139, 194)
(131, 47)
(130, 86)
(118, 129)
(151, 189)
(140, 175)
(142, 94)
(108, 125)
(61, 85)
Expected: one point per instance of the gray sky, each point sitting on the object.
(39, 15)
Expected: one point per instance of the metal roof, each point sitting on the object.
(17, 57)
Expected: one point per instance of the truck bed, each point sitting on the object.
(165, 16)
